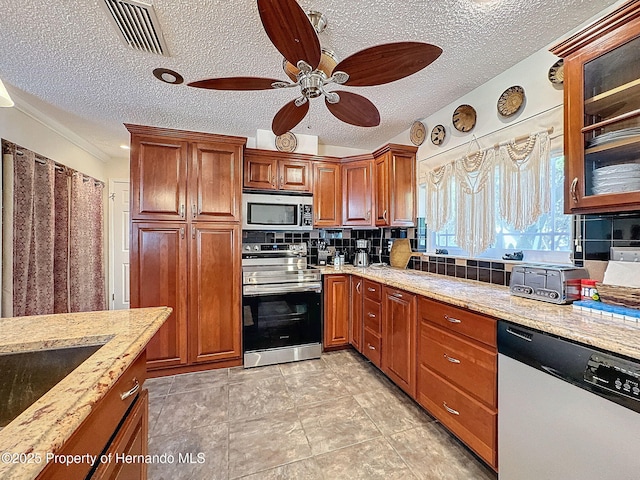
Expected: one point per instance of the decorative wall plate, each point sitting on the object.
(418, 133)
(437, 135)
(464, 118)
(510, 101)
(556, 72)
(287, 142)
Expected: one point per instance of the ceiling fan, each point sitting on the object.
(312, 68)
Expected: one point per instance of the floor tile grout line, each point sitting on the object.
(401, 457)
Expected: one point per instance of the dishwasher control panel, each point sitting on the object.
(614, 374)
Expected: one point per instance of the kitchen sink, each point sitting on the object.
(27, 376)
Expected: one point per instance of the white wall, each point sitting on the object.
(29, 132)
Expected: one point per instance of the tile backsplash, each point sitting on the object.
(596, 234)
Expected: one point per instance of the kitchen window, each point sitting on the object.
(552, 231)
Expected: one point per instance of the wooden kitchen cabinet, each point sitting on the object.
(372, 322)
(395, 186)
(357, 193)
(336, 310)
(131, 439)
(399, 338)
(158, 178)
(187, 188)
(159, 278)
(215, 182)
(215, 332)
(457, 373)
(268, 170)
(327, 194)
(356, 313)
(602, 105)
(118, 423)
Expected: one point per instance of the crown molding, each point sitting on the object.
(32, 112)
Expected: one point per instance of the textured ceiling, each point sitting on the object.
(68, 59)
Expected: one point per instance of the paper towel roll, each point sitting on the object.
(625, 274)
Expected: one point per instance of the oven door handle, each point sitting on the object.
(256, 290)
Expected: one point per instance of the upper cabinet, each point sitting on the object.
(602, 114)
(177, 175)
(357, 193)
(158, 178)
(266, 170)
(395, 186)
(327, 195)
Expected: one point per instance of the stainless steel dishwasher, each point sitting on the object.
(566, 411)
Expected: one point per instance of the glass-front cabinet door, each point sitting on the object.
(602, 114)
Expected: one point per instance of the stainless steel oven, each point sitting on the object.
(277, 212)
(281, 304)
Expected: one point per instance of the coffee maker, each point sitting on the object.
(361, 257)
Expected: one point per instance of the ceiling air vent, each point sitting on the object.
(138, 25)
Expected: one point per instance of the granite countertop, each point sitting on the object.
(607, 333)
(47, 424)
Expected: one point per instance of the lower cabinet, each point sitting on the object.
(159, 277)
(443, 356)
(194, 269)
(457, 373)
(337, 289)
(131, 440)
(117, 424)
(399, 338)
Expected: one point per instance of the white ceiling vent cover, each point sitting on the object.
(138, 25)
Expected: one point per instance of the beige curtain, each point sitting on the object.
(52, 237)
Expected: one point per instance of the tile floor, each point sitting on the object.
(334, 418)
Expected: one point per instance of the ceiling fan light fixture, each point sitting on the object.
(328, 62)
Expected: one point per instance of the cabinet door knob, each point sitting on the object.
(371, 347)
(573, 189)
(358, 287)
(369, 215)
(384, 215)
(451, 319)
(133, 391)
(449, 409)
(371, 315)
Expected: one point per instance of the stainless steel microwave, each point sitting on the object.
(262, 211)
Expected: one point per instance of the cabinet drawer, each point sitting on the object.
(371, 347)
(471, 367)
(372, 315)
(372, 290)
(473, 325)
(94, 433)
(470, 420)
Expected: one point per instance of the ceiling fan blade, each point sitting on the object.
(290, 30)
(235, 83)
(288, 117)
(387, 63)
(354, 109)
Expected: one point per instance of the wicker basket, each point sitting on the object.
(617, 295)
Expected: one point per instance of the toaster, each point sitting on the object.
(550, 283)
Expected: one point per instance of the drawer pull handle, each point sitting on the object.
(371, 289)
(371, 347)
(397, 295)
(371, 315)
(452, 320)
(449, 409)
(451, 359)
(358, 287)
(133, 391)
